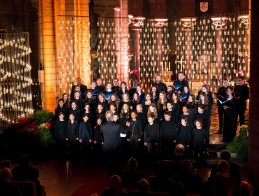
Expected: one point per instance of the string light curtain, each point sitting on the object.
(73, 51)
(154, 49)
(15, 76)
(218, 50)
(106, 49)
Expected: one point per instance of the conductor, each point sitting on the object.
(111, 145)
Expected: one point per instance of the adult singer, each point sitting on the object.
(221, 95)
(111, 144)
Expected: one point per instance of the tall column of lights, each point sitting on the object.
(245, 51)
(151, 47)
(187, 26)
(82, 49)
(106, 50)
(74, 51)
(220, 24)
(204, 59)
(117, 43)
(66, 53)
(162, 49)
(121, 39)
(136, 25)
(15, 76)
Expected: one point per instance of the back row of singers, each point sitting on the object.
(178, 93)
(97, 87)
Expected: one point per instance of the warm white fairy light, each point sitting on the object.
(106, 49)
(73, 51)
(154, 49)
(15, 76)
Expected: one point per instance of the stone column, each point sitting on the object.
(253, 158)
(121, 37)
(48, 53)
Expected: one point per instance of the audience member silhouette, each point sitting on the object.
(192, 182)
(234, 171)
(143, 187)
(221, 184)
(25, 172)
(162, 183)
(245, 189)
(179, 153)
(115, 188)
(132, 176)
(6, 186)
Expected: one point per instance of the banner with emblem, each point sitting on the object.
(204, 6)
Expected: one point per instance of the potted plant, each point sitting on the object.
(239, 145)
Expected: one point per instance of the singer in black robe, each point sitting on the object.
(230, 119)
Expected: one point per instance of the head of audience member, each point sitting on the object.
(246, 189)
(225, 155)
(5, 174)
(143, 186)
(5, 163)
(109, 116)
(115, 184)
(94, 194)
(223, 168)
(179, 149)
(132, 164)
(187, 166)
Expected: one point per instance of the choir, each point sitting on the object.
(158, 120)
